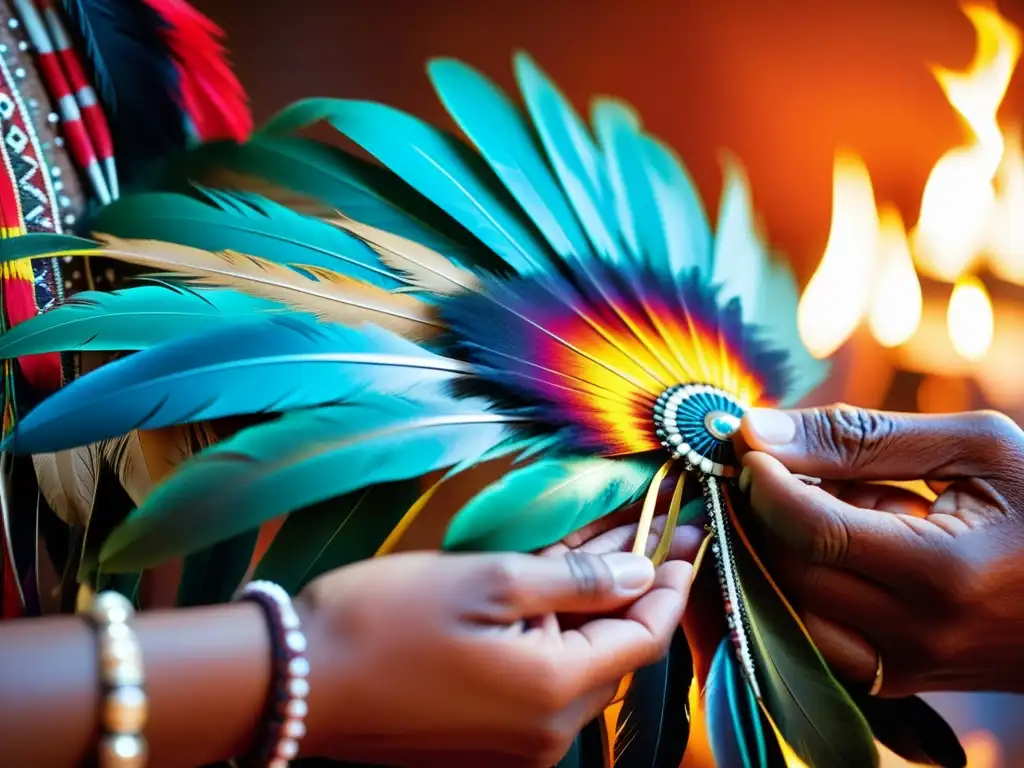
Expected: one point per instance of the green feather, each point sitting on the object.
(300, 459)
(212, 575)
(334, 533)
(128, 320)
(544, 502)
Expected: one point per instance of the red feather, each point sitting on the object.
(211, 95)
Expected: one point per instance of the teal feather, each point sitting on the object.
(438, 166)
(246, 223)
(571, 151)
(38, 244)
(617, 129)
(358, 188)
(274, 364)
(565, 494)
(738, 733)
(740, 257)
(303, 458)
(334, 533)
(128, 320)
(687, 231)
(505, 140)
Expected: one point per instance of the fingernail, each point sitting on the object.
(632, 574)
(744, 481)
(771, 427)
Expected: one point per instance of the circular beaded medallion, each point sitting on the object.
(696, 422)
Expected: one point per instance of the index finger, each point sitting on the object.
(607, 649)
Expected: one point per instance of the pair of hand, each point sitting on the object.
(934, 586)
(429, 659)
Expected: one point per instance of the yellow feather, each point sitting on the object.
(321, 292)
(68, 481)
(427, 268)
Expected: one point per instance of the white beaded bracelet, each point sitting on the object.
(285, 720)
(125, 705)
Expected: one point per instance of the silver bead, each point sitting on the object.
(121, 662)
(53, 118)
(23, 45)
(64, 201)
(19, 72)
(296, 641)
(70, 219)
(13, 23)
(58, 186)
(296, 709)
(298, 667)
(287, 748)
(56, 171)
(59, 141)
(33, 103)
(111, 607)
(122, 751)
(294, 729)
(125, 710)
(298, 688)
(3, 48)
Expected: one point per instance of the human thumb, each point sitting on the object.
(845, 443)
(575, 582)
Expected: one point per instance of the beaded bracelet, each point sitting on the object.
(124, 707)
(284, 722)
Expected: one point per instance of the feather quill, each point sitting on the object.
(128, 320)
(243, 222)
(427, 269)
(327, 295)
(438, 166)
(303, 458)
(299, 363)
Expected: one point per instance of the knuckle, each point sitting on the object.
(502, 578)
(853, 435)
(999, 428)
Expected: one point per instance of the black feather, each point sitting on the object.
(913, 730)
(135, 76)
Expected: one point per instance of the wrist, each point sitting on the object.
(330, 684)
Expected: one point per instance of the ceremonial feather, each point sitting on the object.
(547, 292)
(160, 73)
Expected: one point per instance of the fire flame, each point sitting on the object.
(834, 302)
(970, 209)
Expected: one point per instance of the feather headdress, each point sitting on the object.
(547, 292)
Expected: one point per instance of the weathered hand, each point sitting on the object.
(462, 660)
(935, 587)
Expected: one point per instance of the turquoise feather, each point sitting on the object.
(246, 223)
(33, 244)
(504, 139)
(438, 166)
(572, 154)
(565, 494)
(303, 458)
(687, 231)
(737, 731)
(128, 320)
(274, 364)
(740, 257)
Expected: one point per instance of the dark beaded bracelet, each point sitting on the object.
(284, 721)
